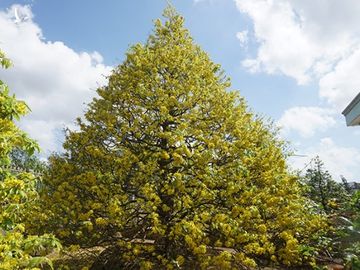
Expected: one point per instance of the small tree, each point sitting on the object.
(18, 250)
(322, 189)
(171, 169)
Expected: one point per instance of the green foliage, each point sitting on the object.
(18, 250)
(172, 169)
(355, 202)
(352, 233)
(329, 195)
(342, 207)
(352, 256)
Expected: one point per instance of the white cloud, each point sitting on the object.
(311, 41)
(308, 40)
(243, 38)
(338, 160)
(342, 84)
(45, 133)
(52, 78)
(306, 120)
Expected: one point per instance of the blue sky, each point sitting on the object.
(293, 61)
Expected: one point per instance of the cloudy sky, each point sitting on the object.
(294, 61)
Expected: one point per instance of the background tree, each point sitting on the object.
(22, 161)
(18, 250)
(322, 189)
(170, 168)
(338, 201)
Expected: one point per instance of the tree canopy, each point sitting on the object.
(170, 168)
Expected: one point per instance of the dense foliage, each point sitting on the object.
(352, 233)
(340, 202)
(170, 168)
(18, 250)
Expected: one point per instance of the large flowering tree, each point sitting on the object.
(170, 168)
